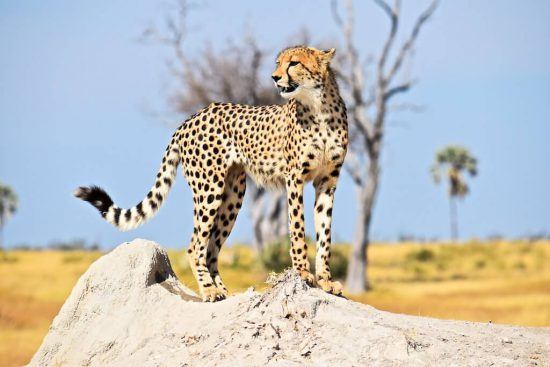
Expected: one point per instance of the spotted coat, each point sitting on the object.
(278, 146)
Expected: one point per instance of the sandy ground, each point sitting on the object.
(130, 309)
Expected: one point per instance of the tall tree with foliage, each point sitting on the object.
(8, 206)
(456, 160)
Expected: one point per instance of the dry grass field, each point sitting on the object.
(500, 281)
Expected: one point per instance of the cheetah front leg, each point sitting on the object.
(324, 199)
(298, 246)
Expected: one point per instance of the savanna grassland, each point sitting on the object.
(499, 281)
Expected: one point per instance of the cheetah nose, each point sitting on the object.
(276, 78)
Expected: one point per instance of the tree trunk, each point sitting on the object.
(275, 221)
(257, 215)
(269, 217)
(453, 215)
(356, 279)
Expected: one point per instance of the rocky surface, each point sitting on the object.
(129, 309)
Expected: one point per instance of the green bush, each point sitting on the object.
(276, 256)
(480, 264)
(338, 263)
(6, 257)
(235, 260)
(422, 255)
(76, 258)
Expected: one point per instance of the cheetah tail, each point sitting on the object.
(126, 219)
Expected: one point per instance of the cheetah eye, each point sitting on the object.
(293, 63)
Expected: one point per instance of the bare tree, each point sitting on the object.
(368, 107)
(230, 75)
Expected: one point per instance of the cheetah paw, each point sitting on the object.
(212, 294)
(307, 276)
(221, 287)
(329, 286)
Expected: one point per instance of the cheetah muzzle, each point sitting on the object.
(287, 145)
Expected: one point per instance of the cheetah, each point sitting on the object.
(286, 145)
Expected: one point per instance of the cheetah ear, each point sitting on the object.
(327, 55)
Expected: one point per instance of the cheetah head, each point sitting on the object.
(301, 72)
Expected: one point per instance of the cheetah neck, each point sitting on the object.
(322, 104)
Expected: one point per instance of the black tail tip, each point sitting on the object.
(96, 196)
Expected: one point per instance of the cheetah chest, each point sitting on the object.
(327, 149)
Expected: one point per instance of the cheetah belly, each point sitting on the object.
(268, 173)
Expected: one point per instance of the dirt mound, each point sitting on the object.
(129, 309)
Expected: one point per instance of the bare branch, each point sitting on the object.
(335, 15)
(385, 6)
(339, 74)
(407, 46)
(355, 79)
(353, 168)
(412, 107)
(255, 65)
(393, 14)
(360, 120)
(402, 88)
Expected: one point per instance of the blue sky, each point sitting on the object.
(77, 89)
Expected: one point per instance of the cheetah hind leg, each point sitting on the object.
(205, 212)
(232, 199)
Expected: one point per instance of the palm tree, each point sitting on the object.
(457, 159)
(8, 206)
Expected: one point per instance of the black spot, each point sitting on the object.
(139, 209)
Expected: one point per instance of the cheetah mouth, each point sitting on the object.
(284, 90)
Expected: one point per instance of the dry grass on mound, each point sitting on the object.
(505, 282)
